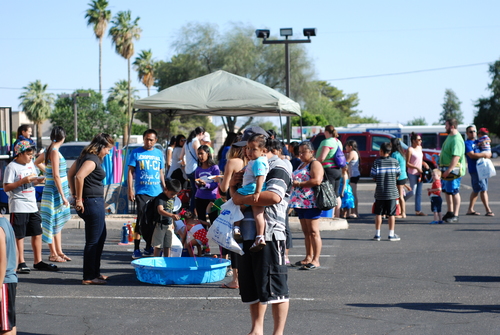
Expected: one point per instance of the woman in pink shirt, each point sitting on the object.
(414, 164)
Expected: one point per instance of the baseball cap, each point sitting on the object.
(249, 132)
(206, 137)
(483, 130)
(22, 146)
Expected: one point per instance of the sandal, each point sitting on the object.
(66, 258)
(259, 244)
(95, 281)
(489, 214)
(56, 259)
(103, 277)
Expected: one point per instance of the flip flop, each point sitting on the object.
(297, 263)
(474, 213)
(489, 214)
(226, 286)
(56, 259)
(309, 266)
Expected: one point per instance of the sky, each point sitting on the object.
(398, 56)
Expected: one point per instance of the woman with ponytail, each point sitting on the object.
(55, 208)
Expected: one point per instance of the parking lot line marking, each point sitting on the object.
(139, 298)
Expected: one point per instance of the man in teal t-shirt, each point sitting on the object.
(147, 166)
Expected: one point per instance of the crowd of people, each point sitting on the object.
(265, 179)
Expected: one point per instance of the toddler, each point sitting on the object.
(435, 193)
(483, 142)
(192, 233)
(253, 183)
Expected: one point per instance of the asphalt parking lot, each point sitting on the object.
(439, 279)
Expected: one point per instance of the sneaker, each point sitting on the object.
(148, 252)
(137, 254)
(434, 222)
(440, 222)
(23, 268)
(376, 238)
(447, 216)
(42, 266)
(453, 219)
(394, 238)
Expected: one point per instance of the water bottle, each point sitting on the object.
(124, 234)
(130, 234)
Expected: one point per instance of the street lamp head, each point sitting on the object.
(286, 32)
(262, 33)
(308, 32)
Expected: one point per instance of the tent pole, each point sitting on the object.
(301, 128)
(224, 123)
(281, 126)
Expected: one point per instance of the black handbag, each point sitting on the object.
(324, 194)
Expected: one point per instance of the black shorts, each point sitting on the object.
(8, 307)
(263, 275)
(354, 180)
(26, 224)
(140, 200)
(385, 207)
(334, 175)
(401, 182)
(436, 203)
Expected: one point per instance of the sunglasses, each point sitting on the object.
(472, 131)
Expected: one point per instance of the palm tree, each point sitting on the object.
(37, 104)
(123, 32)
(119, 93)
(98, 16)
(145, 67)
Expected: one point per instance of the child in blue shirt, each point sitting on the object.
(253, 183)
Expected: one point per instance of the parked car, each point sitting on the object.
(369, 147)
(71, 151)
(495, 151)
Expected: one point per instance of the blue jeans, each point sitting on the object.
(95, 236)
(416, 188)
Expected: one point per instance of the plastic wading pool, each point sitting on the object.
(180, 270)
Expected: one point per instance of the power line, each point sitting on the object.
(407, 72)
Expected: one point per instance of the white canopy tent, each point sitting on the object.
(220, 94)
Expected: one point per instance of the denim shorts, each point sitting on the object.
(308, 213)
(478, 185)
(436, 203)
(451, 186)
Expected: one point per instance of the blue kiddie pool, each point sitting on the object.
(180, 270)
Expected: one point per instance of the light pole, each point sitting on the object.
(75, 113)
(264, 34)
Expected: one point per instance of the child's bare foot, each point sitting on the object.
(259, 244)
(237, 234)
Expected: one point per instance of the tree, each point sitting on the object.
(451, 107)
(119, 94)
(309, 119)
(334, 105)
(92, 117)
(417, 121)
(145, 67)
(488, 109)
(37, 104)
(98, 17)
(123, 34)
(202, 50)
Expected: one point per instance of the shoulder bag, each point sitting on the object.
(324, 194)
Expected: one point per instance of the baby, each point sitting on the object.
(192, 233)
(483, 142)
(253, 183)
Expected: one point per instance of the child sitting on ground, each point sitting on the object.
(435, 193)
(253, 183)
(192, 233)
(162, 235)
(483, 142)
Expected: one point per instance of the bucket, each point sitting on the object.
(327, 214)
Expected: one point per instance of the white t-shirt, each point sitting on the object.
(23, 198)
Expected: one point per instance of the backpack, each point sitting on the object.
(339, 158)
